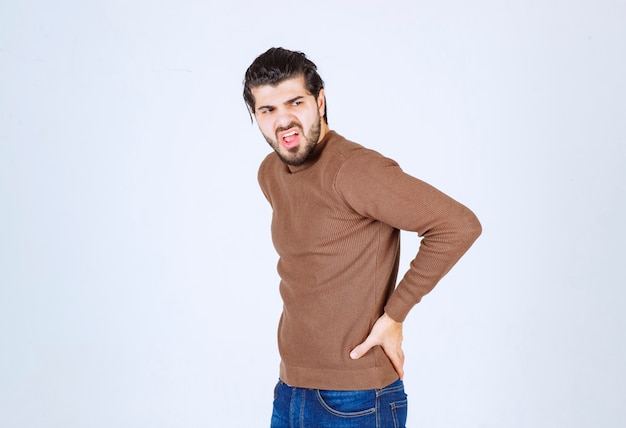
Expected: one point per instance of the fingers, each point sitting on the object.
(362, 349)
(395, 355)
(388, 334)
(397, 360)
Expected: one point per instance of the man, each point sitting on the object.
(338, 209)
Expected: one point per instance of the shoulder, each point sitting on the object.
(268, 169)
(358, 160)
(340, 146)
(354, 154)
(268, 163)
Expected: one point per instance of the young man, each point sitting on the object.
(338, 209)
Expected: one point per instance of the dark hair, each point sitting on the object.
(276, 65)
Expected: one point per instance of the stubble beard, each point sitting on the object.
(302, 152)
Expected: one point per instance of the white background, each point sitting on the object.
(137, 275)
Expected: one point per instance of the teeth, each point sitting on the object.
(290, 134)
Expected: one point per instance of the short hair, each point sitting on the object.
(276, 65)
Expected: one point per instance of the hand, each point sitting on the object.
(387, 333)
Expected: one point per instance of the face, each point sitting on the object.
(290, 118)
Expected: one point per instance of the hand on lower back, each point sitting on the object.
(387, 333)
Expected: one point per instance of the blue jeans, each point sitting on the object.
(309, 408)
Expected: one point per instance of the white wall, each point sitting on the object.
(137, 281)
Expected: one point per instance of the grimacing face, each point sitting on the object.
(290, 118)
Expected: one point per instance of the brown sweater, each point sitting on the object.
(335, 226)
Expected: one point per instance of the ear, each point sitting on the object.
(321, 102)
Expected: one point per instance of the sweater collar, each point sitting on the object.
(314, 156)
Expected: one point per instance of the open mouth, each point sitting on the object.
(290, 138)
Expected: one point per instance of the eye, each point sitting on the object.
(296, 103)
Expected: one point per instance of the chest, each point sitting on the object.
(309, 216)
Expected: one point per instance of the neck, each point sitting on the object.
(323, 130)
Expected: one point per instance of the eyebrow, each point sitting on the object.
(289, 101)
(299, 97)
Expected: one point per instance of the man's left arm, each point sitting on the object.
(384, 192)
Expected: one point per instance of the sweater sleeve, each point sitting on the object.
(377, 188)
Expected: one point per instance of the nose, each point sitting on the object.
(284, 118)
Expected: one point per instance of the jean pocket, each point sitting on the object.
(399, 413)
(347, 404)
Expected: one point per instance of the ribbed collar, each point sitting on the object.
(314, 156)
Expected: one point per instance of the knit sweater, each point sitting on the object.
(336, 228)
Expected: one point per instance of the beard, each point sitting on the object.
(300, 153)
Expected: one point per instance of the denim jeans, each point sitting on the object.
(309, 408)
